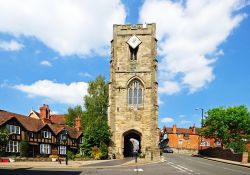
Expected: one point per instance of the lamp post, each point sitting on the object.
(64, 139)
(202, 115)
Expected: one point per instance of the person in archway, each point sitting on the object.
(135, 147)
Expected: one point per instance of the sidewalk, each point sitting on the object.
(78, 164)
(71, 164)
(225, 161)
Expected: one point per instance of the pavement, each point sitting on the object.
(103, 163)
(78, 164)
(226, 161)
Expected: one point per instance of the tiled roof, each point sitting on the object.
(34, 125)
(57, 118)
(181, 131)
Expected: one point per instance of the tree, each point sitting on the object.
(4, 137)
(96, 102)
(96, 132)
(94, 121)
(72, 114)
(230, 126)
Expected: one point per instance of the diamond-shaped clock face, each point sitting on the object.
(134, 41)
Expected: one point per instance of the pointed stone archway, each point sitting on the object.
(128, 146)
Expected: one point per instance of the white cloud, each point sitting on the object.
(190, 33)
(46, 63)
(85, 74)
(167, 120)
(11, 45)
(80, 27)
(169, 87)
(62, 93)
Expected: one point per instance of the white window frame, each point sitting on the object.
(13, 129)
(62, 150)
(12, 146)
(45, 149)
(81, 140)
(46, 134)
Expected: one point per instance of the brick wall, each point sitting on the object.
(182, 142)
(227, 154)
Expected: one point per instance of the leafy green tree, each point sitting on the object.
(230, 126)
(94, 121)
(96, 102)
(4, 137)
(72, 114)
(96, 131)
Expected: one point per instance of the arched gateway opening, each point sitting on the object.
(128, 146)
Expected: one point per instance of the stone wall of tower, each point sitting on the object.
(121, 116)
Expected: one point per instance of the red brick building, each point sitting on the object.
(181, 138)
(42, 131)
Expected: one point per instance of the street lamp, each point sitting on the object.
(65, 140)
(202, 115)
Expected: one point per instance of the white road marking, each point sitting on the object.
(138, 169)
(180, 168)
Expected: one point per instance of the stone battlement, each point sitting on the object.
(132, 28)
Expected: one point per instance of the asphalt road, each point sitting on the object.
(175, 165)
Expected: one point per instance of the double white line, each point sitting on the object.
(181, 168)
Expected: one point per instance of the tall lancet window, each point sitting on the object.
(135, 93)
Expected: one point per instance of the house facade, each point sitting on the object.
(44, 133)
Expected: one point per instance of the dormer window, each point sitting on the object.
(13, 129)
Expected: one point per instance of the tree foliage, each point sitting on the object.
(230, 126)
(94, 122)
(96, 102)
(72, 114)
(97, 130)
(4, 137)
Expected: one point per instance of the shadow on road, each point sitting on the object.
(27, 171)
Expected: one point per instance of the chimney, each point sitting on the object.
(78, 123)
(45, 113)
(193, 129)
(174, 129)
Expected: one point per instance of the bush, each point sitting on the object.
(23, 148)
(104, 150)
(96, 153)
(53, 156)
(78, 156)
(238, 147)
(71, 155)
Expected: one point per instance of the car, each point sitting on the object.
(168, 150)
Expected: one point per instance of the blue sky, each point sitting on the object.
(203, 52)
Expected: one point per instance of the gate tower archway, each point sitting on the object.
(128, 146)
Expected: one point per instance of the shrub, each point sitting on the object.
(104, 150)
(53, 156)
(70, 155)
(23, 148)
(96, 153)
(238, 147)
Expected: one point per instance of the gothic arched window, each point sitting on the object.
(135, 93)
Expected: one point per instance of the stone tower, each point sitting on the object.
(133, 106)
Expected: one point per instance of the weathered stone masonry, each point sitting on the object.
(140, 119)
